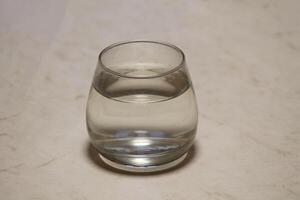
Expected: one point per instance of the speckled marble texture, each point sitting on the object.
(244, 58)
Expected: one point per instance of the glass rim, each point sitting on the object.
(173, 69)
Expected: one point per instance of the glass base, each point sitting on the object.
(153, 168)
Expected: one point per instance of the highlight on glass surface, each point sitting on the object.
(141, 112)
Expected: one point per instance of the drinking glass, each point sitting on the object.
(141, 112)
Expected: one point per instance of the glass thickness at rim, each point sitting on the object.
(174, 69)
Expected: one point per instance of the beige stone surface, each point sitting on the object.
(244, 58)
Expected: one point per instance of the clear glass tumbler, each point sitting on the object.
(141, 113)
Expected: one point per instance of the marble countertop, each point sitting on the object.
(244, 58)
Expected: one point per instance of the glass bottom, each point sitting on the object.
(144, 169)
